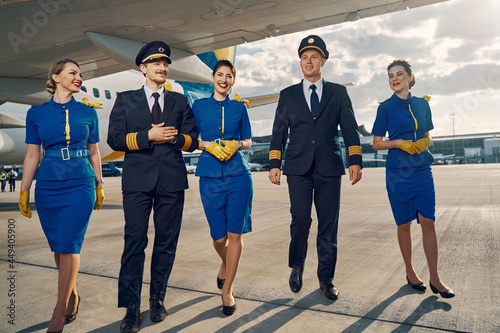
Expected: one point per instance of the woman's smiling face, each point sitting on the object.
(70, 78)
(223, 80)
(399, 80)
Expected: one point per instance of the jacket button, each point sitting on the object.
(63, 106)
(64, 133)
(64, 123)
(413, 125)
(220, 117)
(409, 116)
(63, 113)
(314, 141)
(220, 128)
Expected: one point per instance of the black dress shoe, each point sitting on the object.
(228, 310)
(329, 289)
(444, 294)
(220, 282)
(157, 311)
(71, 318)
(132, 320)
(295, 280)
(419, 287)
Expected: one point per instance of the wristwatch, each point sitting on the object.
(241, 145)
(173, 141)
(99, 182)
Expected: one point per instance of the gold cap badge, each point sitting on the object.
(310, 40)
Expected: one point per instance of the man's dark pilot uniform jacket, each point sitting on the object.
(145, 162)
(314, 138)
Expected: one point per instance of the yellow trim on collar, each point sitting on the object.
(237, 98)
(187, 142)
(91, 104)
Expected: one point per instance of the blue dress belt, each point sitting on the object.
(66, 153)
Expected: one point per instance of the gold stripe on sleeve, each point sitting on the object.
(132, 141)
(274, 154)
(187, 142)
(354, 150)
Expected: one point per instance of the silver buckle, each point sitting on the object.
(65, 157)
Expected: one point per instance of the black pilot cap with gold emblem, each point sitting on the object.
(313, 42)
(152, 51)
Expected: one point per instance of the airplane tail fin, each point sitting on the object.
(211, 58)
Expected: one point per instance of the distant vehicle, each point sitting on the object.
(255, 167)
(191, 168)
(110, 170)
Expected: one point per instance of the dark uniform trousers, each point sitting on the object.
(168, 207)
(154, 177)
(314, 166)
(326, 194)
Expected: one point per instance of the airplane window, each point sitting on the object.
(96, 92)
(108, 94)
(84, 88)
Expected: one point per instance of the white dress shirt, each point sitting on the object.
(151, 99)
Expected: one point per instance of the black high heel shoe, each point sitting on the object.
(444, 294)
(71, 318)
(220, 282)
(419, 287)
(228, 310)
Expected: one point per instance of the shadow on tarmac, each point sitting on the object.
(115, 327)
(429, 304)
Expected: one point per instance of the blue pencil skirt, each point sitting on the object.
(64, 209)
(228, 203)
(411, 191)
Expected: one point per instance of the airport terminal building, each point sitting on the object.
(458, 149)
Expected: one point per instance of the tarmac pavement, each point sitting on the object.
(370, 275)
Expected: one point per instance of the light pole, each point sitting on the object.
(453, 140)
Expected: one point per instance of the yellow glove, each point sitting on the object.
(24, 203)
(230, 147)
(408, 146)
(423, 144)
(99, 197)
(217, 150)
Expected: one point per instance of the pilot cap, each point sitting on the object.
(313, 42)
(152, 51)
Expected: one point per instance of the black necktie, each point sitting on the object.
(314, 101)
(156, 109)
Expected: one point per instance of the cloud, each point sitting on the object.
(454, 48)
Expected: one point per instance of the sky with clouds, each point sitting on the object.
(453, 47)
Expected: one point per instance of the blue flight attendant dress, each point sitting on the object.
(409, 180)
(225, 186)
(65, 190)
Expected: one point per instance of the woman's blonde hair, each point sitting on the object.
(57, 68)
(406, 65)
